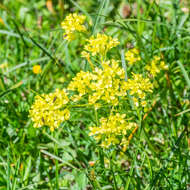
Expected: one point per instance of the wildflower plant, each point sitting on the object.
(104, 85)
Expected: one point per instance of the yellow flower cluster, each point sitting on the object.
(73, 23)
(47, 109)
(132, 56)
(101, 84)
(106, 87)
(112, 130)
(81, 83)
(138, 86)
(100, 44)
(156, 66)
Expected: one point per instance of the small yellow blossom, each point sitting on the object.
(37, 69)
(71, 24)
(4, 65)
(1, 21)
(138, 86)
(47, 109)
(143, 103)
(156, 66)
(86, 55)
(136, 101)
(97, 106)
(80, 83)
(163, 65)
(111, 130)
(132, 56)
(100, 44)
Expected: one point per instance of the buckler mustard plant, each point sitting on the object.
(80, 84)
(107, 85)
(104, 84)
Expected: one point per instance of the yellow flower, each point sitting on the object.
(156, 66)
(106, 87)
(48, 109)
(72, 23)
(132, 56)
(138, 87)
(100, 44)
(37, 69)
(1, 21)
(100, 84)
(80, 83)
(136, 102)
(163, 65)
(111, 130)
(143, 103)
(86, 55)
(4, 65)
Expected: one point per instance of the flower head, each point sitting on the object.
(138, 86)
(80, 83)
(100, 84)
(73, 23)
(132, 56)
(111, 130)
(156, 66)
(100, 44)
(47, 109)
(106, 87)
(1, 21)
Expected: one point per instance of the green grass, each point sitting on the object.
(158, 155)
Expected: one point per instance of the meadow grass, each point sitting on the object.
(68, 158)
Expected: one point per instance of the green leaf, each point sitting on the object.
(184, 72)
(27, 168)
(81, 180)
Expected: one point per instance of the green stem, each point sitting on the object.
(115, 182)
(135, 157)
(96, 116)
(56, 165)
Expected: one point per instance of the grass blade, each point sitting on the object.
(98, 16)
(184, 72)
(59, 159)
